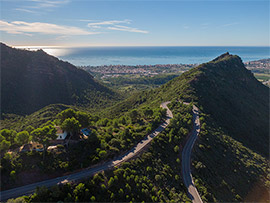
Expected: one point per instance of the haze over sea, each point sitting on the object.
(96, 56)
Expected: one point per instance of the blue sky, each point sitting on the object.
(134, 23)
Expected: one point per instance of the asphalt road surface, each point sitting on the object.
(29, 189)
(186, 155)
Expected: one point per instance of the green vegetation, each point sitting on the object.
(36, 119)
(262, 77)
(227, 169)
(229, 159)
(238, 106)
(44, 136)
(236, 101)
(6, 139)
(22, 137)
(152, 177)
(134, 83)
(222, 88)
(10, 139)
(71, 125)
(108, 138)
(31, 80)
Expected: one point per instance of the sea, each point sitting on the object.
(99, 56)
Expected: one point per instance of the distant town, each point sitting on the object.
(259, 64)
(103, 72)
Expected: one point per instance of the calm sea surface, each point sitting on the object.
(96, 56)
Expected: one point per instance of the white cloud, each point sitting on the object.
(127, 29)
(111, 22)
(86, 20)
(95, 26)
(44, 5)
(114, 25)
(48, 3)
(25, 10)
(20, 27)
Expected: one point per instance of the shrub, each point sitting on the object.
(102, 154)
(13, 175)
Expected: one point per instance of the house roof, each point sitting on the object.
(86, 131)
(59, 130)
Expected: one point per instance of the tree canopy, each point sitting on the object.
(22, 137)
(44, 135)
(71, 125)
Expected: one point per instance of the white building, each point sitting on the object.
(61, 135)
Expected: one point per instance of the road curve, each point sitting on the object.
(186, 155)
(29, 189)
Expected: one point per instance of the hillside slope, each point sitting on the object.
(31, 80)
(225, 90)
(229, 160)
(36, 119)
(236, 100)
(230, 157)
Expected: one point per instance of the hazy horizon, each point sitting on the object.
(150, 55)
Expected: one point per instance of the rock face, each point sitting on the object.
(31, 80)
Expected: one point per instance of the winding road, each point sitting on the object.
(186, 156)
(29, 189)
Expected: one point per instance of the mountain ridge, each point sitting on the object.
(31, 80)
(234, 98)
(222, 88)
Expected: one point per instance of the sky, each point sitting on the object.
(134, 23)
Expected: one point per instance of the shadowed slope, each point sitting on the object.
(31, 80)
(236, 100)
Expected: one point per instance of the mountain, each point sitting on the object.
(31, 80)
(236, 100)
(225, 90)
(229, 162)
(230, 158)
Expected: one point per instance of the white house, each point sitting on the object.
(61, 135)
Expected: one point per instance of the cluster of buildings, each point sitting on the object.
(63, 135)
(63, 138)
(259, 64)
(117, 70)
(148, 70)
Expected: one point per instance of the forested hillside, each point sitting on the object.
(233, 147)
(229, 161)
(236, 100)
(31, 80)
(224, 89)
